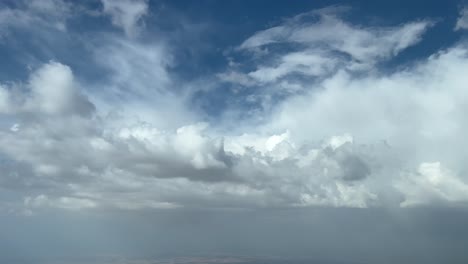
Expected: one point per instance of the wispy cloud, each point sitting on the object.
(126, 14)
(35, 14)
(325, 29)
(462, 21)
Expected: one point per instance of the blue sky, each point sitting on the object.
(138, 107)
(201, 38)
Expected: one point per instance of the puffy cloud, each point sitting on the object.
(126, 14)
(137, 165)
(51, 90)
(418, 103)
(341, 138)
(432, 183)
(140, 166)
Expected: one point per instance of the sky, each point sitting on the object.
(325, 129)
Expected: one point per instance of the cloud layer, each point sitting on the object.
(337, 130)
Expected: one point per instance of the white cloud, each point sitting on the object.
(338, 139)
(365, 45)
(50, 7)
(51, 90)
(432, 183)
(462, 21)
(136, 68)
(309, 63)
(139, 86)
(330, 151)
(37, 14)
(317, 44)
(68, 203)
(323, 43)
(421, 102)
(236, 77)
(126, 14)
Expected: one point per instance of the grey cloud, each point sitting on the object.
(352, 166)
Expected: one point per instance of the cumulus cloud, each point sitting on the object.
(339, 138)
(126, 14)
(432, 183)
(417, 112)
(51, 90)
